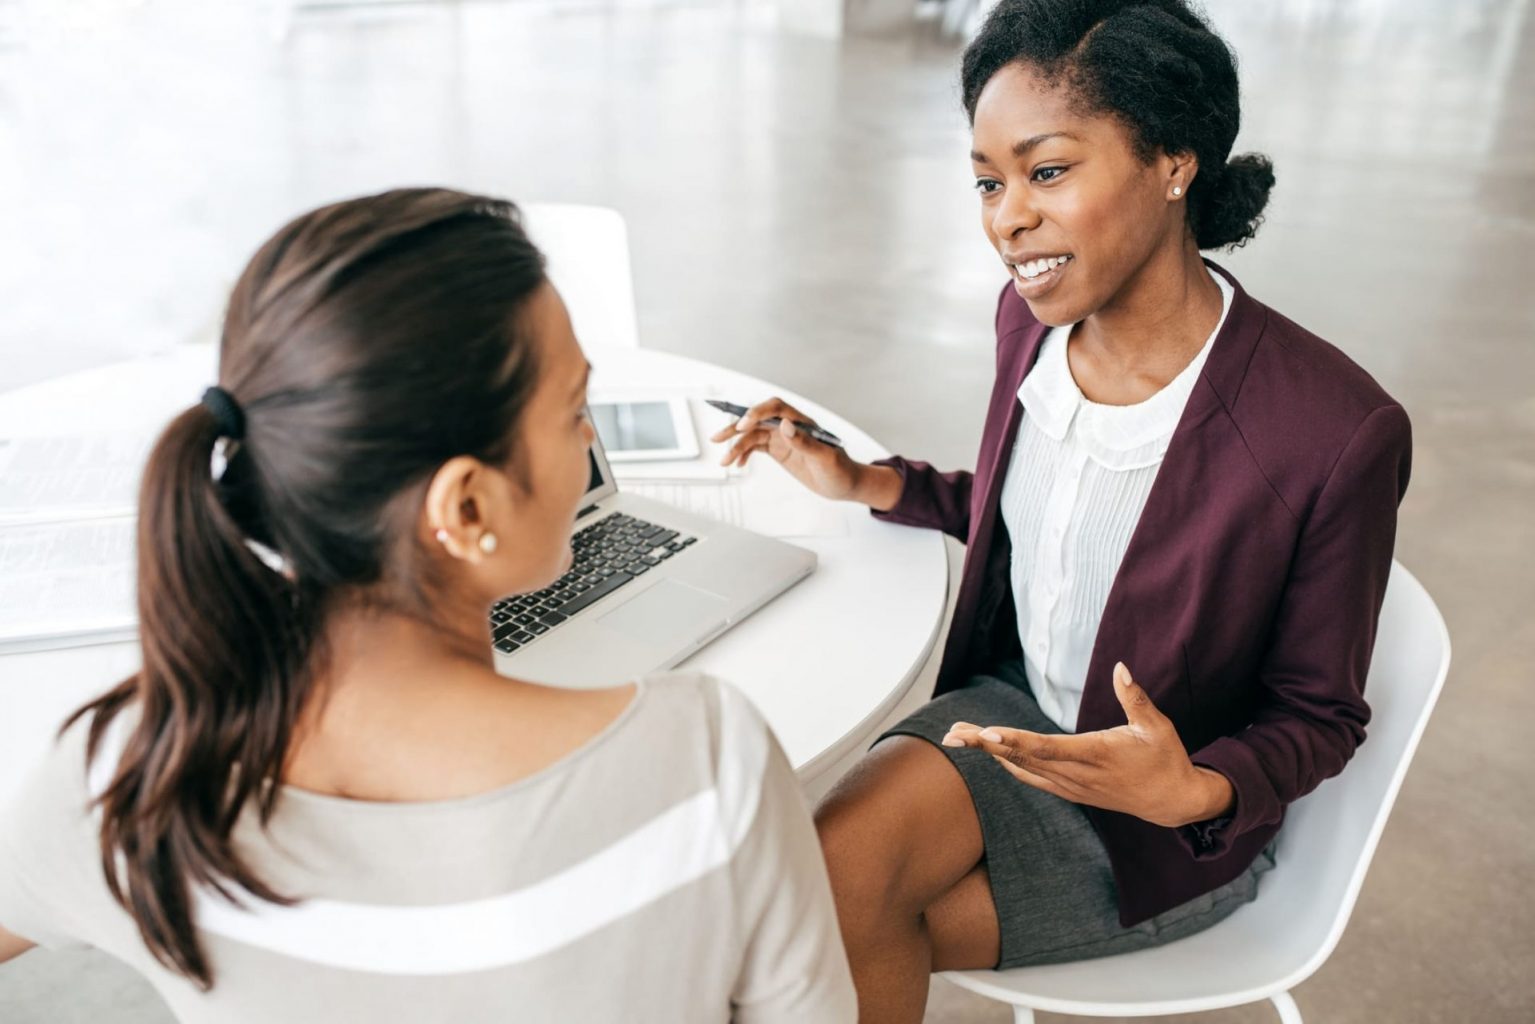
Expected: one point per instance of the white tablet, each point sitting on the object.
(646, 430)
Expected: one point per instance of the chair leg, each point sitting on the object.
(1289, 1013)
(1023, 1015)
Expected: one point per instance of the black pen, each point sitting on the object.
(823, 436)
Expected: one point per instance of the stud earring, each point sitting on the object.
(442, 536)
(488, 543)
(1177, 190)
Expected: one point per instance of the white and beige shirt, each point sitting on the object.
(666, 871)
(1078, 479)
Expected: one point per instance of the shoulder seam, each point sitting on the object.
(1251, 455)
(1284, 340)
(1343, 450)
(1331, 470)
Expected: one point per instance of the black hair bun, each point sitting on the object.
(1226, 212)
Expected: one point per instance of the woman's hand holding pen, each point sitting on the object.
(824, 468)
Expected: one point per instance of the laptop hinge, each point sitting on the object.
(586, 511)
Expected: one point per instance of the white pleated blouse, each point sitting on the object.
(1078, 479)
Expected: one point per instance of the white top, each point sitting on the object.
(666, 870)
(1079, 477)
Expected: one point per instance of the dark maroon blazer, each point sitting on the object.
(1247, 601)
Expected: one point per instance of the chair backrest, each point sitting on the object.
(1330, 836)
(588, 252)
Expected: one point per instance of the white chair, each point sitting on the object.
(1271, 945)
(588, 252)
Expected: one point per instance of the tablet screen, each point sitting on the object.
(634, 426)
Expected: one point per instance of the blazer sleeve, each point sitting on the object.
(1312, 713)
(939, 501)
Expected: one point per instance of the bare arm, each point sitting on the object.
(12, 946)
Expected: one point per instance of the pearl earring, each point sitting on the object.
(488, 543)
(1177, 190)
(442, 535)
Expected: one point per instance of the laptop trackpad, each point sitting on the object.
(669, 611)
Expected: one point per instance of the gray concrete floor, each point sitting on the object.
(800, 209)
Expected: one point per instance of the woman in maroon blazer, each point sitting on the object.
(1198, 486)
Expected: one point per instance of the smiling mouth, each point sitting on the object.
(1035, 269)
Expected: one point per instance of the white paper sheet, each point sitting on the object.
(54, 478)
(773, 508)
(66, 579)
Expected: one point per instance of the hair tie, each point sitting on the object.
(226, 412)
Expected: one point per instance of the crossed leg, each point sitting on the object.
(903, 848)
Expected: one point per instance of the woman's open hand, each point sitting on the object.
(1139, 768)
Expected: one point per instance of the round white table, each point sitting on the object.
(827, 662)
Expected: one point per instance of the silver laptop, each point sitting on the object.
(650, 585)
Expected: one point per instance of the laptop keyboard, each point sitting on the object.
(611, 552)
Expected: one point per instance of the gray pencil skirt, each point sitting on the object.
(1050, 877)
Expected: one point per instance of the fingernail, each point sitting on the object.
(741, 423)
(788, 428)
(953, 741)
(991, 736)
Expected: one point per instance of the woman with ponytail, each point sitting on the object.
(316, 800)
(1137, 679)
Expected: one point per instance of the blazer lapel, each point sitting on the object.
(1134, 627)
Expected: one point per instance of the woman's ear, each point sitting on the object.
(1179, 173)
(453, 515)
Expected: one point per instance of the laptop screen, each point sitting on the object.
(596, 481)
(601, 484)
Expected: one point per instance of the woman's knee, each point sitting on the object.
(962, 926)
(899, 829)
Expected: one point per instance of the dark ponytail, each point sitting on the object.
(1158, 67)
(365, 344)
(208, 697)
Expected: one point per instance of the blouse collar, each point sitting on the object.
(1118, 436)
